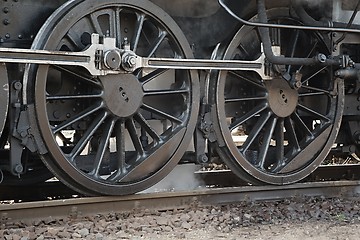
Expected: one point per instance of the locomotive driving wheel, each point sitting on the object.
(276, 128)
(113, 134)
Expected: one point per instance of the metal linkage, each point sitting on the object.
(103, 58)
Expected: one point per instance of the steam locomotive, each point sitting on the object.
(109, 96)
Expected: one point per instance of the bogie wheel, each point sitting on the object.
(114, 134)
(272, 130)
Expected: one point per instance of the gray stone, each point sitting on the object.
(84, 232)
(186, 225)
(162, 221)
(76, 235)
(99, 236)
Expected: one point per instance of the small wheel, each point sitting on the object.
(114, 134)
(272, 130)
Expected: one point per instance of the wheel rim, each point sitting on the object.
(271, 132)
(99, 147)
(4, 97)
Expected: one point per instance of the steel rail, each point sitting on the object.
(173, 200)
(211, 178)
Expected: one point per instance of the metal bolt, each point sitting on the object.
(203, 158)
(6, 22)
(19, 168)
(5, 10)
(297, 85)
(17, 85)
(322, 58)
(132, 60)
(57, 114)
(23, 134)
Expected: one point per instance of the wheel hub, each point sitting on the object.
(123, 94)
(282, 98)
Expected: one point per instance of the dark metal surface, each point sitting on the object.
(287, 122)
(128, 131)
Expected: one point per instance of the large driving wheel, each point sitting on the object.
(114, 134)
(276, 130)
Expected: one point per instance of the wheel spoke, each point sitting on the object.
(78, 117)
(230, 100)
(95, 23)
(157, 43)
(299, 122)
(254, 82)
(90, 131)
(165, 92)
(134, 138)
(74, 45)
(146, 126)
(266, 142)
(247, 116)
(279, 138)
(255, 131)
(314, 113)
(291, 134)
(314, 75)
(292, 47)
(311, 94)
(153, 75)
(120, 152)
(161, 114)
(103, 147)
(118, 27)
(137, 32)
(120, 146)
(318, 90)
(75, 74)
(73, 97)
(310, 52)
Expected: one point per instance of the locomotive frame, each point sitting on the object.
(108, 95)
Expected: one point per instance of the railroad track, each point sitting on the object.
(176, 181)
(174, 200)
(216, 187)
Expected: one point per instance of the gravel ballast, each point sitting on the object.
(310, 218)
